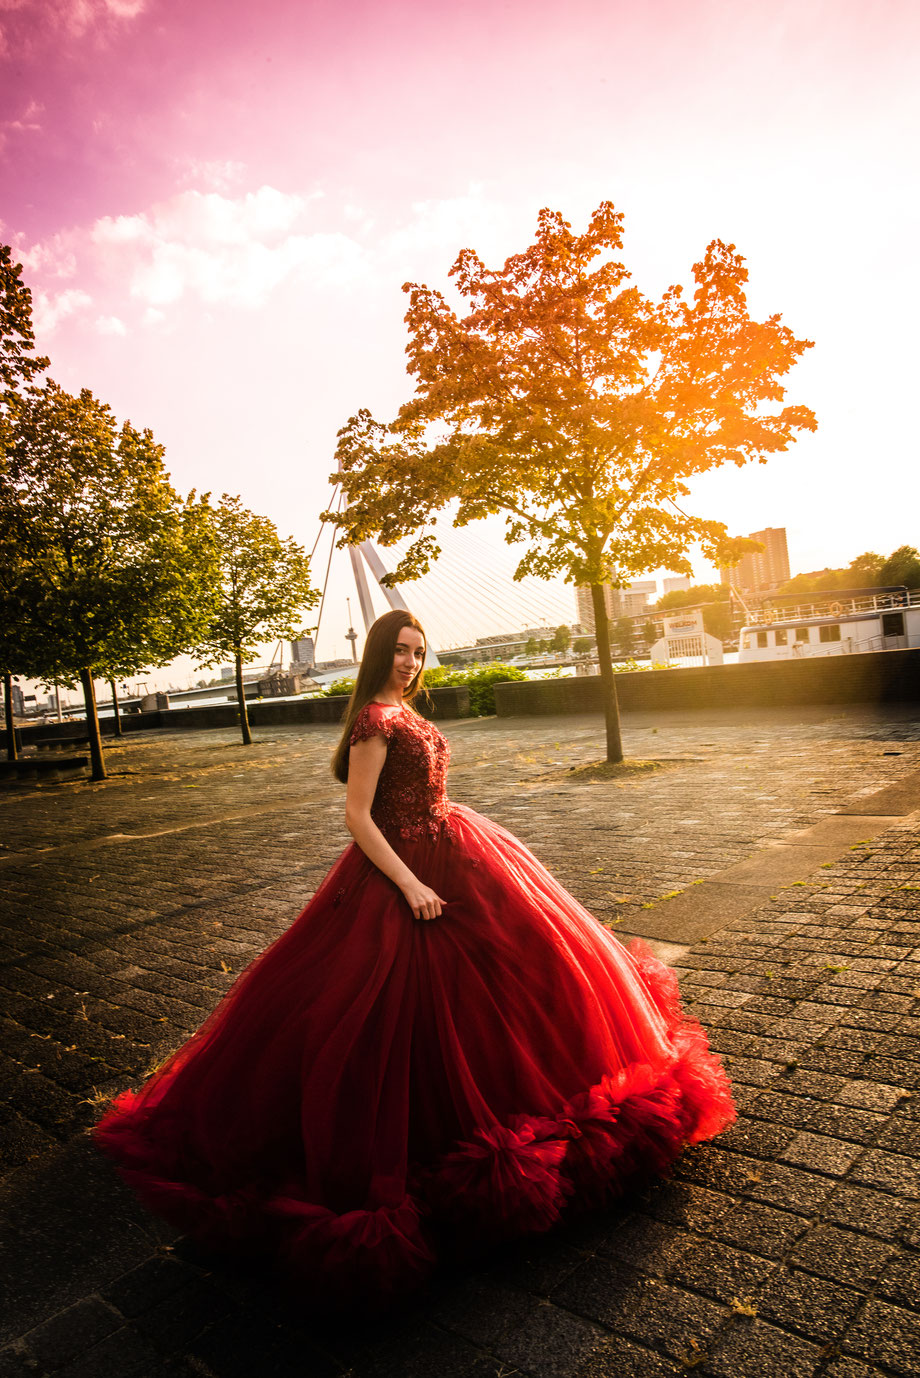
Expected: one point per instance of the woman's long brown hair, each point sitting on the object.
(373, 673)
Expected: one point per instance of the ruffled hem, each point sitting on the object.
(504, 1181)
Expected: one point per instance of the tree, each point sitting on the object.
(562, 638)
(263, 585)
(649, 633)
(17, 366)
(693, 597)
(623, 635)
(112, 568)
(17, 339)
(530, 647)
(718, 621)
(901, 567)
(577, 407)
(865, 569)
(582, 645)
(868, 570)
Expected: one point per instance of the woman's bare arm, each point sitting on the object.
(365, 762)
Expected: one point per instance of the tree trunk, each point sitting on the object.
(12, 754)
(115, 709)
(241, 697)
(608, 680)
(92, 725)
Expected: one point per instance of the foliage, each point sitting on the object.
(480, 680)
(901, 567)
(261, 588)
(868, 570)
(623, 634)
(17, 339)
(263, 585)
(718, 620)
(562, 638)
(338, 686)
(692, 597)
(111, 570)
(582, 645)
(576, 406)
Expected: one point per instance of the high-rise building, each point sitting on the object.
(762, 570)
(626, 602)
(677, 584)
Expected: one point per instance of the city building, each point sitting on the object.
(502, 647)
(631, 601)
(762, 570)
(678, 584)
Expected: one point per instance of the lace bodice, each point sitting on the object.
(411, 799)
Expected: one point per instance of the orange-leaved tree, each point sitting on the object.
(579, 408)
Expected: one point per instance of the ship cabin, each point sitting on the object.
(831, 622)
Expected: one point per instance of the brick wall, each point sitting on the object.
(452, 701)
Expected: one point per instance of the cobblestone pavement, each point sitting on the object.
(789, 1246)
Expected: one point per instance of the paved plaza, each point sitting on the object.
(773, 856)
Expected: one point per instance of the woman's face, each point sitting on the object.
(408, 659)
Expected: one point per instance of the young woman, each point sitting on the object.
(443, 1051)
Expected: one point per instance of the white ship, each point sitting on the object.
(838, 622)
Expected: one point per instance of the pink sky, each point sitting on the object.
(217, 205)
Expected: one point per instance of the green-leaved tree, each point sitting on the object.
(263, 587)
(113, 570)
(581, 409)
(18, 366)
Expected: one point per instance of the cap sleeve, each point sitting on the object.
(374, 720)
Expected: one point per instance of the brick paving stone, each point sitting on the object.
(847, 1122)
(823, 1154)
(870, 1096)
(889, 1171)
(790, 1188)
(900, 1281)
(754, 1349)
(113, 951)
(143, 1287)
(862, 1208)
(888, 1334)
(816, 1307)
(67, 1334)
(16, 1363)
(851, 1368)
(842, 1255)
(647, 1244)
(719, 1271)
(619, 1357)
(759, 1227)
(124, 1353)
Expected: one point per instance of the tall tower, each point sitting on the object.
(762, 570)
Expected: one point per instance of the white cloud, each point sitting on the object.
(111, 325)
(214, 175)
(221, 249)
(33, 23)
(48, 310)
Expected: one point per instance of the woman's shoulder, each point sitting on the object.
(376, 719)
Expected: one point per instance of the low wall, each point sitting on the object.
(452, 701)
(878, 677)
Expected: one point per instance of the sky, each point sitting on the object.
(217, 205)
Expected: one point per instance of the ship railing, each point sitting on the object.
(829, 606)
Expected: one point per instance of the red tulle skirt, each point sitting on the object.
(375, 1093)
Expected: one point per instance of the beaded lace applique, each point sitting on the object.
(411, 799)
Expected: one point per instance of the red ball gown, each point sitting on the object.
(376, 1092)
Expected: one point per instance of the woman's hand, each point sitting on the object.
(422, 900)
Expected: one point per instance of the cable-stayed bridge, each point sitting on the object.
(470, 591)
